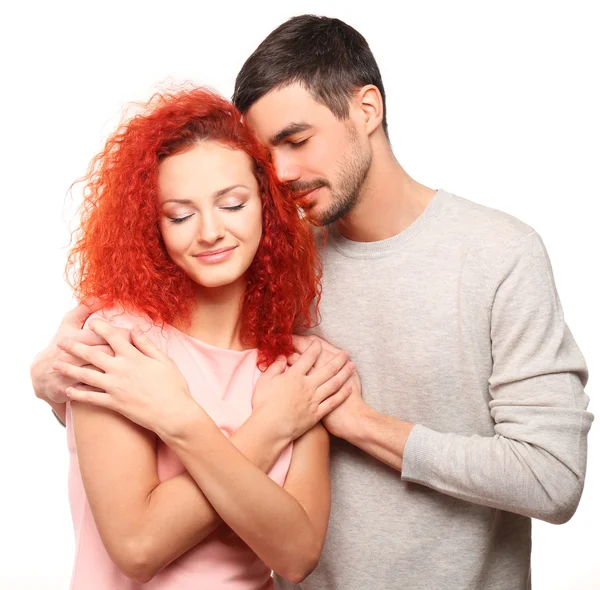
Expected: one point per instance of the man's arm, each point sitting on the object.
(48, 385)
(535, 463)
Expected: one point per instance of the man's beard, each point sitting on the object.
(351, 171)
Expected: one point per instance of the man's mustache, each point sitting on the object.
(299, 187)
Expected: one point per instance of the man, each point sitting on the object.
(473, 418)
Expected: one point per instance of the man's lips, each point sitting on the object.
(303, 198)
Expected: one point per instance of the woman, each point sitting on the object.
(195, 248)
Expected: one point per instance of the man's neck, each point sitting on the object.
(389, 201)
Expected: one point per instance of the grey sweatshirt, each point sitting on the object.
(454, 325)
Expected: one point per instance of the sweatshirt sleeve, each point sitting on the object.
(535, 463)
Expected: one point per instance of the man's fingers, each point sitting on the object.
(301, 343)
(328, 351)
(307, 359)
(333, 401)
(330, 347)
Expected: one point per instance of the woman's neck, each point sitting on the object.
(216, 316)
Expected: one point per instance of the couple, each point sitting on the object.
(470, 419)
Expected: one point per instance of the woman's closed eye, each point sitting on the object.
(180, 219)
(234, 207)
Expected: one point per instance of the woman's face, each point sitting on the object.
(210, 212)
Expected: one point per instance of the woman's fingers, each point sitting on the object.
(89, 396)
(88, 374)
(89, 337)
(336, 382)
(146, 346)
(277, 367)
(307, 359)
(91, 355)
(325, 376)
(333, 401)
(119, 339)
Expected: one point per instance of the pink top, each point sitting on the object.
(222, 382)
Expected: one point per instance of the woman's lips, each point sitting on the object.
(214, 256)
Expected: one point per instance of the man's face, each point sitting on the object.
(322, 159)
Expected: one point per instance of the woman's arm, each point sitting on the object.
(308, 482)
(143, 523)
(259, 511)
(145, 385)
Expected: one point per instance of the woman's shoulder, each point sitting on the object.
(121, 317)
(128, 319)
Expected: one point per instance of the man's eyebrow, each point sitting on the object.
(290, 129)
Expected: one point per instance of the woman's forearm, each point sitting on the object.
(257, 509)
(178, 515)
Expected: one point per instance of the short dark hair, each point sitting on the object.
(328, 57)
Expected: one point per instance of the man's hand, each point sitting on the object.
(345, 418)
(47, 383)
(299, 397)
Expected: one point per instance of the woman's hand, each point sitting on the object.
(300, 396)
(140, 382)
(346, 417)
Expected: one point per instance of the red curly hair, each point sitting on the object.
(120, 258)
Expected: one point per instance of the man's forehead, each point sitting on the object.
(282, 112)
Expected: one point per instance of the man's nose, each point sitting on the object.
(287, 170)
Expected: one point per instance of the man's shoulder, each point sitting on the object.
(483, 219)
(480, 227)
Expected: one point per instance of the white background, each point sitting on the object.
(496, 102)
